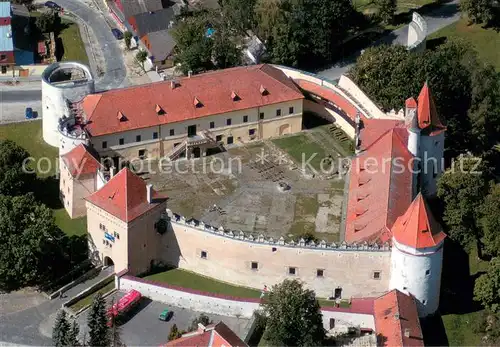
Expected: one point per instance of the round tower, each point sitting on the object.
(417, 256)
(62, 84)
(411, 121)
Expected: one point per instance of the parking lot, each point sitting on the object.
(143, 328)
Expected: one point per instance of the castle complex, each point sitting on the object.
(391, 240)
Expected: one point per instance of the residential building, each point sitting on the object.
(213, 335)
(7, 59)
(122, 10)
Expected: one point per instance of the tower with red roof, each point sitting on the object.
(417, 256)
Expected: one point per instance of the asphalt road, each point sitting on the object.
(20, 95)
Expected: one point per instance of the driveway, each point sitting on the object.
(441, 17)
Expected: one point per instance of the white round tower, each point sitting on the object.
(62, 84)
(417, 256)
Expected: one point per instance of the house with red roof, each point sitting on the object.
(79, 177)
(213, 335)
(125, 221)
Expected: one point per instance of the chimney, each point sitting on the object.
(149, 193)
(201, 328)
(112, 171)
(407, 332)
(173, 84)
(190, 73)
(357, 138)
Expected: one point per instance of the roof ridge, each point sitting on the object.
(279, 71)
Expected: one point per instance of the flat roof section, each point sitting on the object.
(6, 42)
(4, 9)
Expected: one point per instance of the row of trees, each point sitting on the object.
(33, 250)
(65, 333)
(479, 11)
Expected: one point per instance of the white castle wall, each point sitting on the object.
(331, 116)
(417, 33)
(348, 319)
(418, 272)
(229, 256)
(55, 97)
(432, 154)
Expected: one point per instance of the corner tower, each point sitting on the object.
(431, 142)
(417, 256)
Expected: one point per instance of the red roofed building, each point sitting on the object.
(197, 113)
(396, 320)
(213, 335)
(125, 220)
(79, 177)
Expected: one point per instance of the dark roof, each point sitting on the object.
(150, 22)
(134, 7)
(162, 44)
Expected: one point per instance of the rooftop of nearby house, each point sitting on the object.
(5, 9)
(81, 161)
(213, 335)
(133, 7)
(188, 98)
(149, 22)
(6, 42)
(162, 44)
(396, 320)
(125, 196)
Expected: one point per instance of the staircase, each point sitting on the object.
(177, 150)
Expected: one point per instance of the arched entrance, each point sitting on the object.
(108, 261)
(284, 129)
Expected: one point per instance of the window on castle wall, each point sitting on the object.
(427, 272)
(424, 302)
(376, 275)
(320, 273)
(255, 265)
(290, 110)
(292, 271)
(203, 255)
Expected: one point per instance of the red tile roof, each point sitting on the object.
(417, 227)
(214, 335)
(428, 119)
(198, 96)
(411, 103)
(125, 196)
(80, 161)
(379, 188)
(396, 320)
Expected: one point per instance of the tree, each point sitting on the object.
(174, 333)
(293, 316)
(96, 321)
(202, 319)
(127, 36)
(61, 330)
(73, 335)
(487, 287)
(48, 21)
(462, 189)
(32, 250)
(490, 221)
(14, 176)
(478, 11)
(386, 9)
(141, 57)
(225, 52)
(239, 13)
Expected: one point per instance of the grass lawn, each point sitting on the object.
(74, 49)
(485, 41)
(29, 136)
(88, 299)
(298, 145)
(187, 279)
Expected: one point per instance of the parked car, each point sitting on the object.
(165, 315)
(53, 5)
(28, 113)
(117, 33)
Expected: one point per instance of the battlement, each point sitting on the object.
(261, 239)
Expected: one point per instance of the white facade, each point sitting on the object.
(432, 165)
(56, 94)
(418, 272)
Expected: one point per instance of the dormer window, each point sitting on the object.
(159, 110)
(197, 103)
(234, 96)
(121, 117)
(263, 90)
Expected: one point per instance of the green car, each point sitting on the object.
(165, 315)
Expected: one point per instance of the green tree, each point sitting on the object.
(14, 176)
(141, 57)
(239, 13)
(293, 316)
(201, 319)
(73, 335)
(487, 287)
(127, 36)
(32, 248)
(478, 11)
(61, 330)
(174, 333)
(490, 221)
(386, 9)
(225, 52)
(463, 189)
(96, 321)
(48, 22)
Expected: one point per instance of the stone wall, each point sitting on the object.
(246, 260)
(417, 33)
